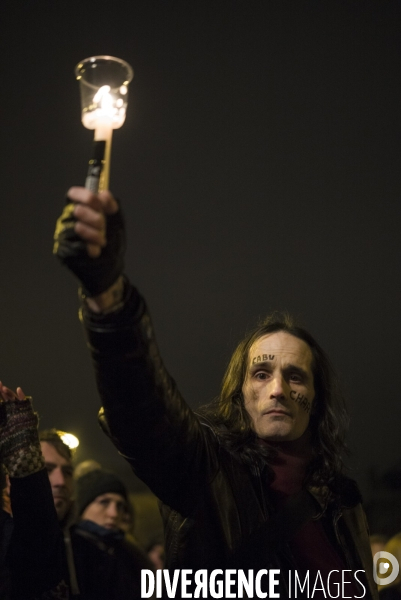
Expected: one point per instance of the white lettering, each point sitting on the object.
(201, 583)
(344, 582)
(244, 583)
(301, 588)
(321, 589)
(185, 583)
(360, 582)
(229, 583)
(258, 577)
(232, 584)
(159, 574)
(171, 586)
(273, 582)
(212, 583)
(147, 574)
(337, 585)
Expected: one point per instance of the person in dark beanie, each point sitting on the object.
(101, 488)
(108, 566)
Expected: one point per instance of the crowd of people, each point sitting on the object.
(63, 534)
(253, 481)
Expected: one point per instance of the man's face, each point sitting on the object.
(279, 389)
(60, 473)
(107, 510)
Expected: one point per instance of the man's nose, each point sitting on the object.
(58, 478)
(277, 386)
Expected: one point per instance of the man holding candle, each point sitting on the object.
(254, 483)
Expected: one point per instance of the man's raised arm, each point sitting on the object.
(144, 413)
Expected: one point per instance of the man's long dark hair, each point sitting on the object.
(328, 420)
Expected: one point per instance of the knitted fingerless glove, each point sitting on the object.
(19, 440)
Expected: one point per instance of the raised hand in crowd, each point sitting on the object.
(90, 241)
(31, 541)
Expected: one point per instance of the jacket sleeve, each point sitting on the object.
(146, 417)
(35, 555)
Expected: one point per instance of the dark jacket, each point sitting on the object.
(108, 566)
(212, 501)
(31, 541)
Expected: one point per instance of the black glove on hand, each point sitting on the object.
(95, 274)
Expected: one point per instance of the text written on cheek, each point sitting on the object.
(301, 400)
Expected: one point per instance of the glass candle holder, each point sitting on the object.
(104, 84)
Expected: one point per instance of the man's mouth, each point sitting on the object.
(277, 411)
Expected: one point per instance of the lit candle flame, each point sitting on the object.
(105, 99)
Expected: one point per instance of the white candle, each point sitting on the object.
(103, 129)
(105, 113)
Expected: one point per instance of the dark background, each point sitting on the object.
(259, 169)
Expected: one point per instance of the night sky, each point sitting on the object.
(258, 169)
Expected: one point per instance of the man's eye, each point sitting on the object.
(261, 375)
(295, 378)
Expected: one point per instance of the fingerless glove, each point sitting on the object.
(20, 450)
(95, 274)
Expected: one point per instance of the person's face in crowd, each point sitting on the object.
(107, 510)
(60, 472)
(279, 389)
